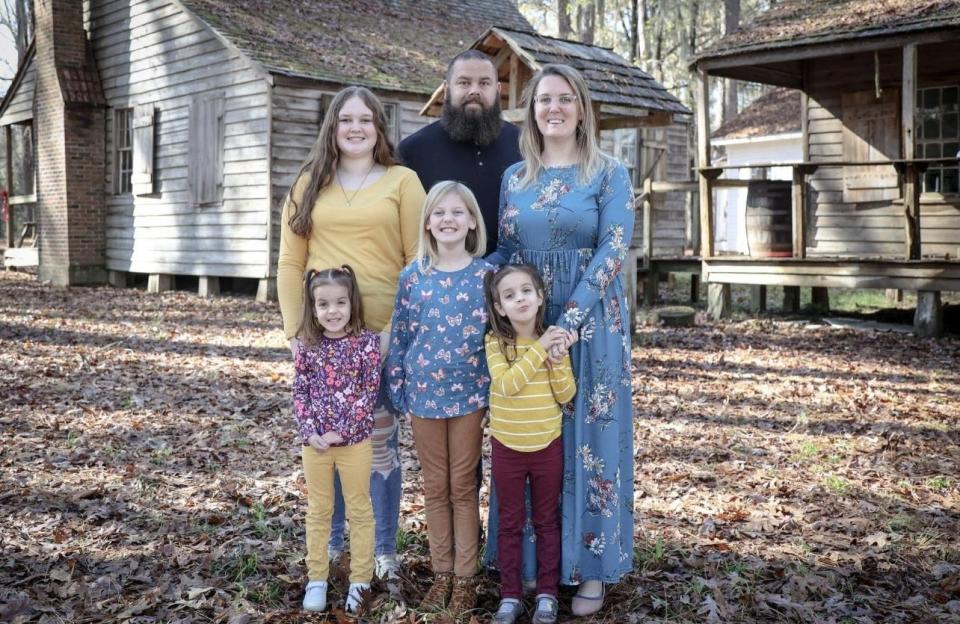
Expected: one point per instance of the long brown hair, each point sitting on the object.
(321, 163)
(500, 325)
(311, 331)
(591, 159)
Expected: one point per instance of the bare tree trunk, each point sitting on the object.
(564, 28)
(600, 23)
(638, 26)
(658, 44)
(585, 18)
(24, 13)
(692, 46)
(731, 20)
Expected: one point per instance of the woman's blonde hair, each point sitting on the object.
(476, 243)
(590, 158)
(321, 163)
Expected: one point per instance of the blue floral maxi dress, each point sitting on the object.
(577, 235)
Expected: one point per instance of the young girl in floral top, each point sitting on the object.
(437, 374)
(335, 384)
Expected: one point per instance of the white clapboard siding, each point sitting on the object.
(123, 220)
(155, 207)
(152, 54)
(20, 107)
(862, 228)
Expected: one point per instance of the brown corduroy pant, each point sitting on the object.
(449, 449)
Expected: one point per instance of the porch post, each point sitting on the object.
(911, 175)
(11, 235)
(703, 160)
(513, 88)
(647, 223)
(799, 206)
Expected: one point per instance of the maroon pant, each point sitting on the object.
(510, 471)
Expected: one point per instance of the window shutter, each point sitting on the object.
(142, 175)
(206, 150)
(871, 131)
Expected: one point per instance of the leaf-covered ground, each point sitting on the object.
(785, 472)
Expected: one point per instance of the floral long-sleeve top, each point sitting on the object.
(436, 366)
(335, 387)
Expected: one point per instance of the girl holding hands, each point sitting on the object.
(531, 379)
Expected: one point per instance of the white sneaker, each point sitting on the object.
(315, 597)
(355, 596)
(386, 567)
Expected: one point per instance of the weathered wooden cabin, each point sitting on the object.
(641, 123)
(876, 197)
(168, 131)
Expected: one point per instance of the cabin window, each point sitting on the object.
(122, 150)
(938, 136)
(390, 111)
(22, 163)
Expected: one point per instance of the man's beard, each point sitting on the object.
(480, 127)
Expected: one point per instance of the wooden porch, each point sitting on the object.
(890, 164)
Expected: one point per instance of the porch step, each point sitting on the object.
(21, 257)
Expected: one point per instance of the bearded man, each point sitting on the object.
(471, 143)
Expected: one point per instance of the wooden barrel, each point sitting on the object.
(769, 227)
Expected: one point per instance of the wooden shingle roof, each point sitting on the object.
(777, 112)
(610, 77)
(401, 45)
(810, 22)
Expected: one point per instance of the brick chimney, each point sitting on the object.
(70, 120)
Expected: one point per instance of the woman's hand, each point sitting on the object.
(557, 352)
(294, 345)
(551, 338)
(572, 337)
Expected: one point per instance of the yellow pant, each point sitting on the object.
(353, 464)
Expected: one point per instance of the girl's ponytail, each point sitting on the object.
(347, 277)
(309, 331)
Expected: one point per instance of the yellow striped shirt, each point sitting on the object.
(525, 396)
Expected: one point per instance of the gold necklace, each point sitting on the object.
(350, 198)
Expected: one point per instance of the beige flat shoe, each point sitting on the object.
(587, 605)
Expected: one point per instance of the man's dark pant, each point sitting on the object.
(511, 469)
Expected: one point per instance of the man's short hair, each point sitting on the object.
(470, 55)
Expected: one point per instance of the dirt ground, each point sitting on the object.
(785, 471)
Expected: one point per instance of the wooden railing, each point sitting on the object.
(910, 171)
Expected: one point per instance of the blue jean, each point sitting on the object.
(385, 490)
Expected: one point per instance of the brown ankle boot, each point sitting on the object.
(464, 596)
(436, 598)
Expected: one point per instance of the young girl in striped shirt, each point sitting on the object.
(531, 377)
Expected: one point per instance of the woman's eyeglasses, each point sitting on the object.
(564, 100)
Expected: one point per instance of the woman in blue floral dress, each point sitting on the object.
(568, 210)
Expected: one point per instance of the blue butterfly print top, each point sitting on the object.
(436, 366)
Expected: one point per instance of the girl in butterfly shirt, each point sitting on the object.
(437, 373)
